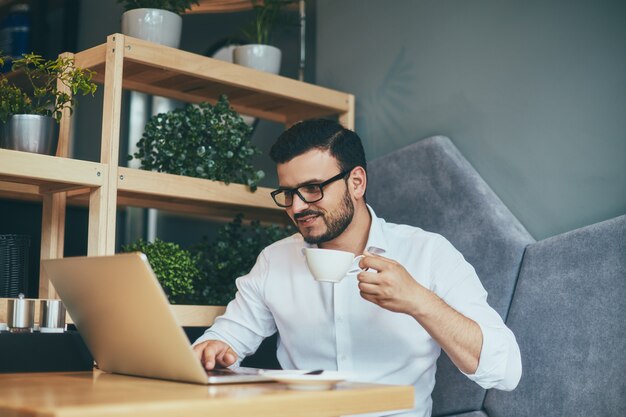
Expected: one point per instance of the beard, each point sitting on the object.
(336, 223)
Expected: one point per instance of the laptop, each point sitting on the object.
(125, 319)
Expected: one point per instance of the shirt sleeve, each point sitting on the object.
(456, 282)
(247, 320)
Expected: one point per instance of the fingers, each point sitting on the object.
(208, 356)
(214, 353)
(226, 357)
(377, 262)
(371, 289)
(368, 277)
(371, 298)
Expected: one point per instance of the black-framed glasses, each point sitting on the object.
(309, 193)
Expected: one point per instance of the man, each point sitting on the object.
(418, 295)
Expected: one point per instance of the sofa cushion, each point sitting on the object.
(569, 316)
(429, 184)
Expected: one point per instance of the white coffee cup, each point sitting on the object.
(329, 265)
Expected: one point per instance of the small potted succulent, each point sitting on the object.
(203, 141)
(258, 53)
(31, 102)
(157, 21)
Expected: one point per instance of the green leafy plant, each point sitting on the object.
(204, 141)
(41, 94)
(231, 255)
(176, 6)
(268, 15)
(175, 268)
(205, 274)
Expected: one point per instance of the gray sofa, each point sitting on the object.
(563, 297)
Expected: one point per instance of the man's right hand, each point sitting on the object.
(215, 354)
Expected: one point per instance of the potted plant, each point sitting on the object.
(204, 141)
(175, 268)
(205, 274)
(157, 21)
(28, 110)
(259, 54)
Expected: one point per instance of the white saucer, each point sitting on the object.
(297, 380)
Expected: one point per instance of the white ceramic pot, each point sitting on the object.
(154, 25)
(261, 57)
(30, 133)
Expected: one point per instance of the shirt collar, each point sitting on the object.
(376, 242)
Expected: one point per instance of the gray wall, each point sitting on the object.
(532, 92)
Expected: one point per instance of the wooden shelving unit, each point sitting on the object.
(128, 63)
(188, 77)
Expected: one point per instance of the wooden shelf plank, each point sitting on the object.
(196, 316)
(205, 210)
(197, 208)
(91, 58)
(45, 170)
(195, 196)
(19, 191)
(32, 192)
(181, 75)
(186, 315)
(158, 184)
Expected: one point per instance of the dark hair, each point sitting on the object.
(343, 144)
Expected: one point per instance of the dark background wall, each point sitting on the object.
(532, 92)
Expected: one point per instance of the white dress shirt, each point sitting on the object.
(329, 326)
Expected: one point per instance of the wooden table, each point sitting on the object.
(98, 394)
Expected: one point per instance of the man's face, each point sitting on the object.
(323, 220)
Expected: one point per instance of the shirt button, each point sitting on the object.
(339, 319)
(343, 358)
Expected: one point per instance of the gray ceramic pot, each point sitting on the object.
(261, 57)
(154, 25)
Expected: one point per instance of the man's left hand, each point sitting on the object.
(392, 287)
